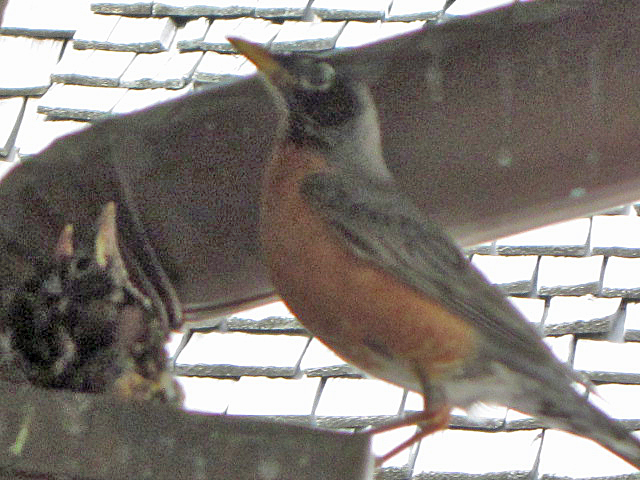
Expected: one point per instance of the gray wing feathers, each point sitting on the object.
(382, 226)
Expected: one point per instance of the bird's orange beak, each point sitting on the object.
(106, 243)
(264, 60)
(64, 247)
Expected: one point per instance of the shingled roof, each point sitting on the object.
(83, 61)
(88, 60)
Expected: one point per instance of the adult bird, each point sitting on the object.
(382, 285)
(78, 323)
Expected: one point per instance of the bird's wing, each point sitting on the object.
(380, 224)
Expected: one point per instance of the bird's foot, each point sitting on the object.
(428, 422)
(133, 386)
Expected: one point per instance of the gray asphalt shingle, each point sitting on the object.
(10, 116)
(263, 396)
(127, 34)
(44, 18)
(616, 235)
(598, 355)
(514, 275)
(32, 77)
(253, 29)
(37, 131)
(307, 36)
(214, 8)
(243, 349)
(353, 10)
(565, 239)
(219, 67)
(95, 31)
(161, 70)
(533, 309)
(569, 275)
(123, 7)
(436, 452)
(408, 10)
(281, 9)
(621, 278)
(577, 315)
(192, 33)
(97, 68)
(75, 102)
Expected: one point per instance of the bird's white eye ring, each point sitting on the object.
(319, 77)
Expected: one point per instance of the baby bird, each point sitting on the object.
(79, 324)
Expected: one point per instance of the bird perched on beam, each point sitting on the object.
(78, 323)
(382, 285)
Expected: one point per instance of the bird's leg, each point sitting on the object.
(412, 419)
(428, 422)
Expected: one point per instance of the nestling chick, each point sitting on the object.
(78, 323)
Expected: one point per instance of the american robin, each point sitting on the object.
(382, 285)
(78, 323)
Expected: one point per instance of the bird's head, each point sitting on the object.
(94, 282)
(327, 109)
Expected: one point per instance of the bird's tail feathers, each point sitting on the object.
(579, 416)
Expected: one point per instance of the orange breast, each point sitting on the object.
(366, 315)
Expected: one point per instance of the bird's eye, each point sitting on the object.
(319, 77)
(83, 264)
